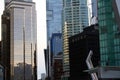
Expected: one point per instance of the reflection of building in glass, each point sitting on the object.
(19, 39)
(75, 18)
(109, 34)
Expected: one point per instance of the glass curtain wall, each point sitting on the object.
(109, 34)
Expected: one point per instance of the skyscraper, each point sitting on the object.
(19, 40)
(79, 48)
(56, 43)
(56, 55)
(54, 17)
(109, 34)
(75, 18)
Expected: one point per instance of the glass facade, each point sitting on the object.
(21, 42)
(75, 18)
(56, 44)
(54, 17)
(109, 34)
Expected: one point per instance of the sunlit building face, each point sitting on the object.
(20, 41)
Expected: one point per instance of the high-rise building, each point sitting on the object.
(109, 33)
(19, 41)
(79, 47)
(56, 43)
(75, 18)
(54, 17)
(56, 59)
(54, 24)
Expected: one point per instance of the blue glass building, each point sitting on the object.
(54, 11)
(56, 43)
(54, 18)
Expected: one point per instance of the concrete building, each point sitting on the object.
(19, 40)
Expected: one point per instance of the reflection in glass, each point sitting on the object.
(19, 41)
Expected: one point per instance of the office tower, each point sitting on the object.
(79, 48)
(109, 33)
(19, 41)
(56, 43)
(54, 17)
(75, 18)
(56, 56)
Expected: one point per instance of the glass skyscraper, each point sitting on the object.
(19, 41)
(109, 34)
(54, 17)
(56, 44)
(75, 18)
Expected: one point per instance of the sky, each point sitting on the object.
(41, 32)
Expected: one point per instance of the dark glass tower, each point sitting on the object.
(19, 41)
(109, 34)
